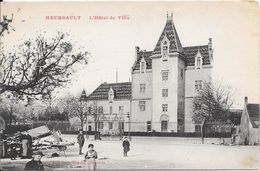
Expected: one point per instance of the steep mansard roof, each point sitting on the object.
(170, 32)
(121, 91)
(189, 54)
(254, 114)
(147, 58)
(191, 51)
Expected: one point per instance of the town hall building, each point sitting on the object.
(165, 81)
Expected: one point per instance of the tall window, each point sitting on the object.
(121, 109)
(142, 88)
(165, 75)
(121, 126)
(164, 50)
(142, 105)
(100, 125)
(164, 92)
(100, 109)
(142, 66)
(198, 84)
(164, 107)
(110, 125)
(110, 110)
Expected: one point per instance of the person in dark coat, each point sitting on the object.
(35, 163)
(26, 140)
(126, 146)
(12, 151)
(80, 140)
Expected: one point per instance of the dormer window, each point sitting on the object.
(198, 60)
(142, 66)
(198, 66)
(165, 48)
(110, 95)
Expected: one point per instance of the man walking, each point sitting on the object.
(80, 140)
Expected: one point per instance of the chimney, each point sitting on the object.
(210, 51)
(246, 100)
(136, 52)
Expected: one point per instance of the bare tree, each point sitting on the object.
(65, 104)
(39, 65)
(11, 106)
(78, 109)
(212, 103)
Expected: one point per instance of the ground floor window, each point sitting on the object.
(164, 125)
(110, 125)
(121, 125)
(197, 128)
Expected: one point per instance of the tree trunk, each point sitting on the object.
(86, 127)
(202, 131)
(95, 126)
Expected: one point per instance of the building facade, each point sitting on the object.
(165, 81)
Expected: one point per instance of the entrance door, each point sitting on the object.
(89, 128)
(164, 126)
(149, 126)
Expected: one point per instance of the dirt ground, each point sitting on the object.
(151, 153)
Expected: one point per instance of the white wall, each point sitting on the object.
(139, 118)
(172, 85)
(191, 75)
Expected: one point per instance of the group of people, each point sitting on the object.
(91, 154)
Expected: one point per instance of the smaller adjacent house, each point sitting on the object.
(111, 102)
(249, 132)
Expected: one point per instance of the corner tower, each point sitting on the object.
(168, 80)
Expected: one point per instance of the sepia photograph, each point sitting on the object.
(93, 85)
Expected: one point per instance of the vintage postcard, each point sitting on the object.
(129, 85)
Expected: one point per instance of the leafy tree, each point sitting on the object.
(212, 103)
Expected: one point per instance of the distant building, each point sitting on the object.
(112, 104)
(249, 132)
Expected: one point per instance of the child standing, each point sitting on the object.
(91, 157)
(126, 146)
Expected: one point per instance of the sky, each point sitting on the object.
(233, 27)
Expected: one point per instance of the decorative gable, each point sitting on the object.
(111, 95)
(170, 32)
(198, 60)
(165, 44)
(142, 65)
